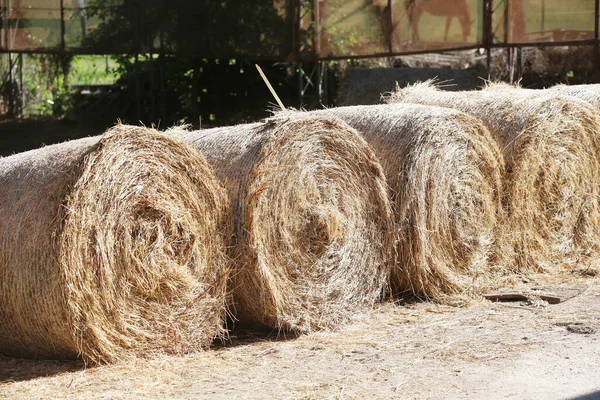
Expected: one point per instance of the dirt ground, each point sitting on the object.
(463, 349)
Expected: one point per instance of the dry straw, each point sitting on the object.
(111, 247)
(312, 219)
(589, 93)
(551, 151)
(445, 172)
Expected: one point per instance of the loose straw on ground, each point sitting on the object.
(312, 219)
(111, 247)
(444, 171)
(551, 151)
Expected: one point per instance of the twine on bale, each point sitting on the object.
(312, 219)
(113, 247)
(444, 172)
(551, 151)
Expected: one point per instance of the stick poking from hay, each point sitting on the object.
(111, 247)
(551, 150)
(444, 171)
(312, 219)
(263, 76)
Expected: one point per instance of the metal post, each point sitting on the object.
(596, 31)
(317, 19)
(161, 66)
(391, 30)
(325, 99)
(137, 87)
(487, 31)
(300, 82)
(596, 21)
(62, 25)
(210, 29)
(3, 28)
(83, 17)
(544, 14)
(506, 22)
(11, 103)
(22, 92)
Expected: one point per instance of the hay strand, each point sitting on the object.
(111, 247)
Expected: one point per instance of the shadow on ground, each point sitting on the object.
(15, 370)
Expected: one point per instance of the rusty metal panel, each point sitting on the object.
(32, 24)
(543, 21)
(422, 25)
(380, 27)
(290, 30)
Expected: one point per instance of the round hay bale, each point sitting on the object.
(312, 218)
(589, 93)
(111, 247)
(551, 151)
(444, 171)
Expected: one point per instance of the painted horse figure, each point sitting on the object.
(441, 8)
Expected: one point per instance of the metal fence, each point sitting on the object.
(292, 30)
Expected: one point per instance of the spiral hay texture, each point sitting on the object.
(551, 153)
(444, 171)
(312, 219)
(111, 247)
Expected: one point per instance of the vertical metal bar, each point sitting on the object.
(138, 31)
(325, 86)
(137, 87)
(152, 86)
(300, 81)
(210, 30)
(11, 104)
(22, 92)
(506, 22)
(298, 29)
(293, 17)
(319, 82)
(3, 26)
(317, 19)
(544, 14)
(509, 49)
(391, 30)
(596, 31)
(487, 31)
(83, 17)
(596, 22)
(62, 25)
(161, 78)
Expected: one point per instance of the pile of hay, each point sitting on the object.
(312, 218)
(551, 151)
(111, 247)
(444, 171)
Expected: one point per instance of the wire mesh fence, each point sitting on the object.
(291, 30)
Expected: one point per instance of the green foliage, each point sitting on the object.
(256, 28)
(46, 84)
(93, 70)
(179, 89)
